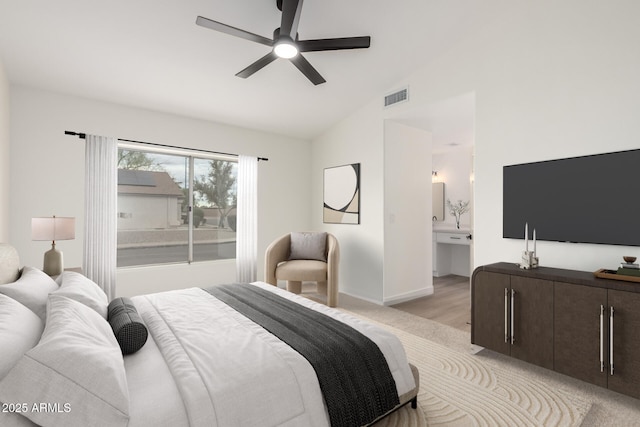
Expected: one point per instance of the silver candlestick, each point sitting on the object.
(529, 259)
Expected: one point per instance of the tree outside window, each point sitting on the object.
(218, 187)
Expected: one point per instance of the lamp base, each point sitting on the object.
(53, 264)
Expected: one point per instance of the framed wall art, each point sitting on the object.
(342, 194)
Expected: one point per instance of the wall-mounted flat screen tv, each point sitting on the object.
(589, 199)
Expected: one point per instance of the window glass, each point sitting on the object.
(214, 212)
(153, 208)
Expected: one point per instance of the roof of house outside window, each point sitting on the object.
(147, 182)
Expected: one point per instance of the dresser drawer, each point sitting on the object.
(452, 238)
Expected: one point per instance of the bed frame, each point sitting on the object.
(409, 397)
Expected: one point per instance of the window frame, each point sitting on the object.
(191, 155)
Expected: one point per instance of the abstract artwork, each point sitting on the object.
(342, 194)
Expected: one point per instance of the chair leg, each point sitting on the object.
(332, 297)
(322, 287)
(294, 286)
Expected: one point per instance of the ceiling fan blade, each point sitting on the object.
(307, 69)
(258, 65)
(334, 44)
(290, 17)
(228, 29)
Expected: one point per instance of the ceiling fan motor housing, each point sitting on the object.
(276, 35)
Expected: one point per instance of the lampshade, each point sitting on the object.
(53, 228)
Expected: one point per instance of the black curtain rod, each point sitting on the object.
(84, 136)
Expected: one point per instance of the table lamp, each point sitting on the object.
(53, 228)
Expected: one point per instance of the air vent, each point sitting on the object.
(396, 97)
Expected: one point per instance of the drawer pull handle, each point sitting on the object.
(506, 315)
(601, 338)
(611, 340)
(513, 309)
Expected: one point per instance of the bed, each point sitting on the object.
(229, 355)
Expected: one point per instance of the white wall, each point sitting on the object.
(360, 138)
(357, 139)
(4, 156)
(454, 169)
(551, 80)
(407, 212)
(47, 174)
(553, 88)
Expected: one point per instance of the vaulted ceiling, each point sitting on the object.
(151, 54)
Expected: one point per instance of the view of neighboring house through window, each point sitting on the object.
(156, 193)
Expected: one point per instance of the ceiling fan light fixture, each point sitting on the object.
(285, 48)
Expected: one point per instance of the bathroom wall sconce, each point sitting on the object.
(434, 176)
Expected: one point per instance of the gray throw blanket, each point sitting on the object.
(353, 374)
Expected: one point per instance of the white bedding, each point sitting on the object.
(149, 403)
(220, 369)
(203, 364)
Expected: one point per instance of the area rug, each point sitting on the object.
(459, 389)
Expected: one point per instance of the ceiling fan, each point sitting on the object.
(285, 43)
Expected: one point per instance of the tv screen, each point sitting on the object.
(589, 199)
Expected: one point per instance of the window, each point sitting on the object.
(175, 207)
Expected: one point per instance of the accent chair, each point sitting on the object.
(305, 256)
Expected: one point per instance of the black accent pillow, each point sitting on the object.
(127, 325)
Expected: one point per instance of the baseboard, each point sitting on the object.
(371, 300)
(397, 299)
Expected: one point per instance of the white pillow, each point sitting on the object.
(20, 330)
(31, 289)
(82, 289)
(77, 365)
(14, 419)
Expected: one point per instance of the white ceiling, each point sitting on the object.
(450, 121)
(151, 54)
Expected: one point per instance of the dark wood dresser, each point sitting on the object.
(565, 320)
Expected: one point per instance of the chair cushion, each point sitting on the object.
(308, 245)
(302, 270)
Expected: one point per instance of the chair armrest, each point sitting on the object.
(276, 252)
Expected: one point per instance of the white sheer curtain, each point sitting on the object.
(100, 212)
(247, 220)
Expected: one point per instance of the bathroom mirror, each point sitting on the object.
(437, 206)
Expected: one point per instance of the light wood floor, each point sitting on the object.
(450, 303)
